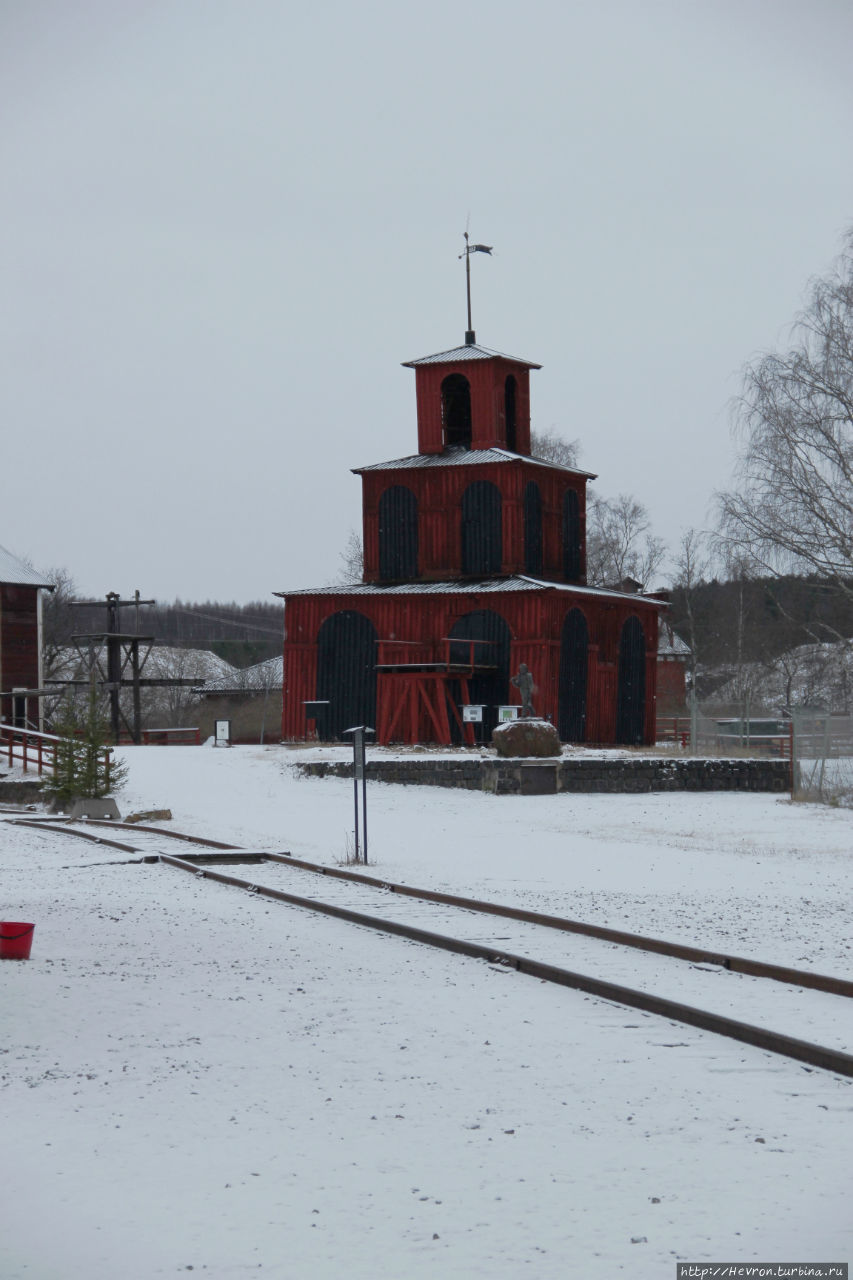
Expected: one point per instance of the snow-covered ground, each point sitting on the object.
(193, 1078)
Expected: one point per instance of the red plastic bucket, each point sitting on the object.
(15, 940)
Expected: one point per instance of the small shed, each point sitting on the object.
(20, 641)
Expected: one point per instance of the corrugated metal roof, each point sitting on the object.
(459, 586)
(465, 458)
(473, 352)
(14, 572)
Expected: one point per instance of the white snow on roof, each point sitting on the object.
(15, 572)
(257, 679)
(467, 458)
(472, 351)
(464, 586)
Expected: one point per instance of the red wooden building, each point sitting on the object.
(20, 641)
(474, 562)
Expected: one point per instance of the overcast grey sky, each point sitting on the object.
(227, 222)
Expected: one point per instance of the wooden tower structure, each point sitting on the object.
(474, 562)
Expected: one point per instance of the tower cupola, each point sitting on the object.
(472, 398)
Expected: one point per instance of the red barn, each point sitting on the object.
(474, 562)
(20, 641)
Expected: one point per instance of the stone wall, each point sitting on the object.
(515, 777)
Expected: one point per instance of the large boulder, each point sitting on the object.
(526, 738)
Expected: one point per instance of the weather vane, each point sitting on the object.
(470, 336)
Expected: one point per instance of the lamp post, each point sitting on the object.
(359, 773)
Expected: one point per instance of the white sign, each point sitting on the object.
(471, 713)
(505, 714)
(222, 733)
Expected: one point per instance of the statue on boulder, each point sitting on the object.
(524, 684)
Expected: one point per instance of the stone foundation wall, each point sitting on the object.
(527, 778)
(20, 792)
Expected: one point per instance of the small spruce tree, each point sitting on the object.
(81, 767)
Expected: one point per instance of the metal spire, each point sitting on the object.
(470, 336)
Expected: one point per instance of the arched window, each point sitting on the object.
(481, 528)
(456, 410)
(571, 536)
(489, 686)
(532, 528)
(631, 690)
(398, 534)
(574, 659)
(510, 388)
(346, 673)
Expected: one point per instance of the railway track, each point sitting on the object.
(662, 974)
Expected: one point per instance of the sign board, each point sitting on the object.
(472, 713)
(222, 733)
(505, 714)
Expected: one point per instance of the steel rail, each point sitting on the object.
(813, 1055)
(41, 825)
(678, 950)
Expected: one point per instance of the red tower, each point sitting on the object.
(474, 562)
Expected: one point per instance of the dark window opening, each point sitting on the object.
(346, 673)
(631, 691)
(488, 687)
(571, 536)
(481, 529)
(574, 661)
(509, 413)
(398, 534)
(456, 411)
(532, 528)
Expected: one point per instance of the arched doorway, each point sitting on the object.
(398, 534)
(631, 689)
(346, 673)
(488, 687)
(456, 411)
(532, 528)
(574, 661)
(482, 536)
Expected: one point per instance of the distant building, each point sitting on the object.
(474, 562)
(673, 658)
(20, 642)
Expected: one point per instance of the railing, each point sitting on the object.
(448, 652)
(36, 749)
(188, 737)
(29, 747)
(676, 729)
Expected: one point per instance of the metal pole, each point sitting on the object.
(364, 811)
(468, 279)
(355, 797)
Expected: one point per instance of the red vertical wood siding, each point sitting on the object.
(439, 493)
(535, 620)
(19, 641)
(487, 379)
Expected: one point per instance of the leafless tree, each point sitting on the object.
(58, 621)
(792, 509)
(620, 543)
(549, 446)
(352, 560)
(691, 564)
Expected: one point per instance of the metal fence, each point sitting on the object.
(822, 756)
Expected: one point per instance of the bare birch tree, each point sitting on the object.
(549, 446)
(792, 508)
(620, 543)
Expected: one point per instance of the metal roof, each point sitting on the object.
(465, 458)
(456, 355)
(16, 573)
(460, 586)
